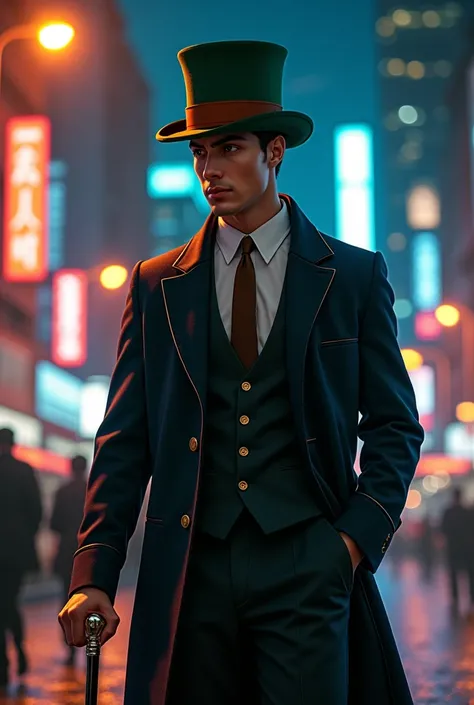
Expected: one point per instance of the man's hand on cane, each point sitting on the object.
(73, 615)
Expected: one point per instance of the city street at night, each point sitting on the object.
(437, 650)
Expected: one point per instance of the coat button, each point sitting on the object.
(243, 451)
(193, 444)
(185, 521)
(244, 420)
(246, 386)
(243, 485)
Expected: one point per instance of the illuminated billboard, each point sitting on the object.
(69, 318)
(355, 185)
(426, 271)
(58, 396)
(25, 231)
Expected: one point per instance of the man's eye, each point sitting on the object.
(197, 153)
(230, 148)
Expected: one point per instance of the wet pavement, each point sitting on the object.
(437, 649)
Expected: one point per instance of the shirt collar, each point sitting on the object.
(268, 237)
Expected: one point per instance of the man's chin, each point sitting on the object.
(222, 209)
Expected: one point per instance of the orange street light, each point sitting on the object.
(55, 35)
(412, 358)
(450, 315)
(52, 36)
(113, 277)
(465, 412)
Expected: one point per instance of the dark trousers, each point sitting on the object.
(10, 615)
(264, 619)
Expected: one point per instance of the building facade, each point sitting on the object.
(420, 44)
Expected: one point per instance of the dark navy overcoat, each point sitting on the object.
(346, 379)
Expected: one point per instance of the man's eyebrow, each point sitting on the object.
(218, 143)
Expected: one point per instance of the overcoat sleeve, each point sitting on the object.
(121, 468)
(389, 428)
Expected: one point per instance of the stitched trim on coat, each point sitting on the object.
(96, 545)
(381, 507)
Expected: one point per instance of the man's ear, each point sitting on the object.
(276, 151)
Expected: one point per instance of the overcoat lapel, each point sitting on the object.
(186, 299)
(308, 284)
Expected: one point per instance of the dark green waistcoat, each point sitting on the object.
(251, 456)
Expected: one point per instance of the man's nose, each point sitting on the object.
(212, 169)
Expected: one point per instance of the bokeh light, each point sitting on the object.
(113, 277)
(56, 35)
(447, 315)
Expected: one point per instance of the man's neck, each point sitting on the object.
(250, 220)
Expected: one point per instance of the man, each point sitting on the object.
(20, 517)
(456, 526)
(65, 521)
(244, 360)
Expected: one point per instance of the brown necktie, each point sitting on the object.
(244, 307)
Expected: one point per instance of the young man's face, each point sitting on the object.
(233, 171)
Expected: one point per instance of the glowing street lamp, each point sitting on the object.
(53, 36)
(113, 277)
(412, 358)
(465, 412)
(56, 35)
(448, 315)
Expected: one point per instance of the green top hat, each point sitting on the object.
(235, 87)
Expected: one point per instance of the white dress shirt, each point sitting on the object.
(269, 257)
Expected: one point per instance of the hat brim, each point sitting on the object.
(295, 127)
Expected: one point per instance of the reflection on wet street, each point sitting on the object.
(437, 648)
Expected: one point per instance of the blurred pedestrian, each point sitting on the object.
(455, 526)
(65, 521)
(20, 517)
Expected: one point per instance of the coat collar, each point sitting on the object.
(306, 240)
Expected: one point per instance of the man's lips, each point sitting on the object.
(216, 190)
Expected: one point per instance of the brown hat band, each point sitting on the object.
(207, 115)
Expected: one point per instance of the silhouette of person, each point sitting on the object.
(65, 521)
(455, 525)
(20, 517)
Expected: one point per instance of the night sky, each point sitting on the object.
(330, 73)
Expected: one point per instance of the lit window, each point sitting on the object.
(385, 27)
(402, 18)
(397, 242)
(443, 69)
(416, 70)
(423, 208)
(396, 67)
(408, 114)
(431, 19)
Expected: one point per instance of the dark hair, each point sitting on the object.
(79, 464)
(7, 438)
(265, 138)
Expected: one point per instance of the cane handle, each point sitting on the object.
(95, 624)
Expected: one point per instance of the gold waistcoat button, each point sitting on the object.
(243, 485)
(246, 386)
(193, 444)
(244, 420)
(243, 451)
(185, 521)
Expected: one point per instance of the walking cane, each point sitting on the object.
(94, 627)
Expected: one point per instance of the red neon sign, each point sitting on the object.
(69, 316)
(25, 231)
